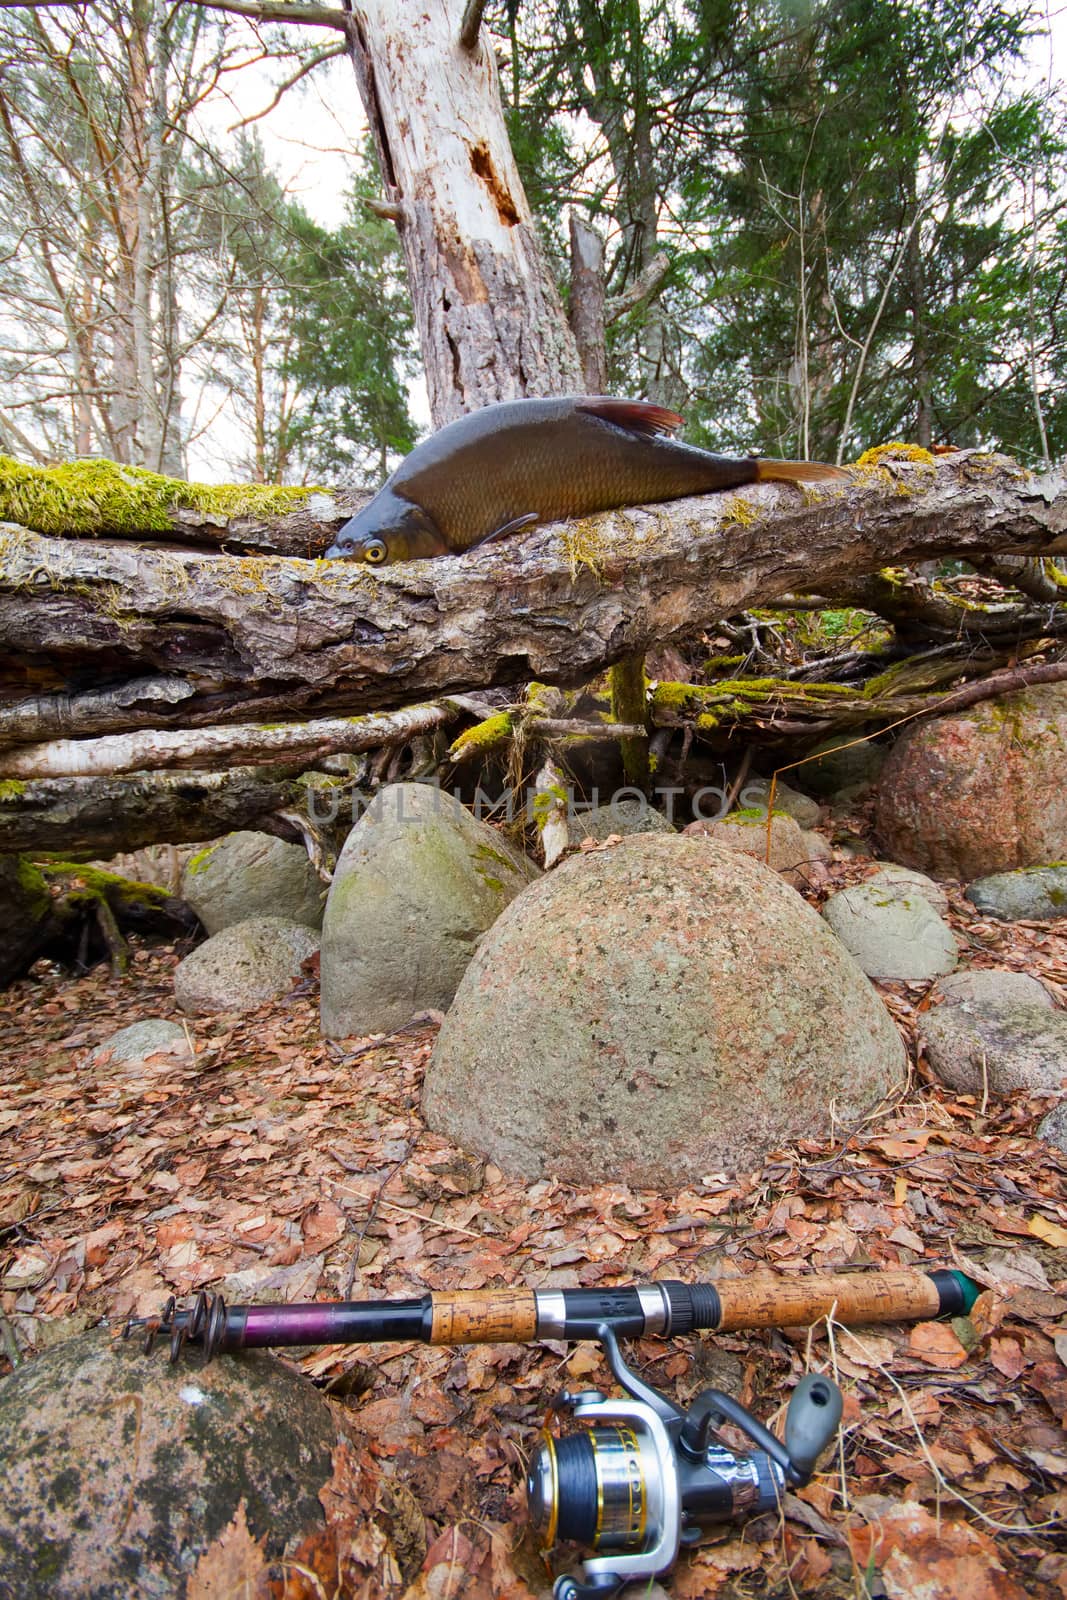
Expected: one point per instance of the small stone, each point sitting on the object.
(801, 807)
(1053, 1126)
(623, 815)
(151, 1037)
(249, 875)
(996, 1032)
(909, 881)
(1036, 894)
(243, 966)
(892, 934)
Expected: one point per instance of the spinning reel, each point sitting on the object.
(641, 1477)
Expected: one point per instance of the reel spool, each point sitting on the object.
(641, 1477)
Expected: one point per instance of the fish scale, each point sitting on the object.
(540, 460)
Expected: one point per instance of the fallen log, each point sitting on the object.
(227, 637)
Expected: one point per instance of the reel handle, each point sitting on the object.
(811, 1422)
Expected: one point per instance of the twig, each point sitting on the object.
(375, 1205)
(408, 1211)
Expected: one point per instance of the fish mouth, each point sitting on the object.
(334, 553)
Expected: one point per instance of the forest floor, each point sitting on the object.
(278, 1165)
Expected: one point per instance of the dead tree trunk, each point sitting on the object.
(490, 320)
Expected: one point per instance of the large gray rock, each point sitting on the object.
(980, 791)
(843, 762)
(892, 931)
(1037, 893)
(654, 1012)
(249, 875)
(995, 1032)
(118, 1470)
(241, 967)
(418, 882)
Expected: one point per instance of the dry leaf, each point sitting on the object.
(936, 1344)
(1050, 1232)
(233, 1567)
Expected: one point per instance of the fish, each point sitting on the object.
(509, 466)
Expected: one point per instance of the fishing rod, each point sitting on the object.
(519, 1316)
(638, 1478)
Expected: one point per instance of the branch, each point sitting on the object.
(313, 61)
(471, 24)
(302, 743)
(109, 815)
(645, 284)
(311, 16)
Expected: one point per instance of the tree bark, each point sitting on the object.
(108, 815)
(113, 637)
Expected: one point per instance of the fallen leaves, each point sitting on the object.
(272, 1165)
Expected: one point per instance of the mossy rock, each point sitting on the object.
(118, 1470)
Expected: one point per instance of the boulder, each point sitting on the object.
(801, 807)
(418, 882)
(892, 931)
(118, 1470)
(746, 831)
(654, 1012)
(780, 846)
(982, 791)
(1037, 894)
(996, 1032)
(249, 875)
(843, 765)
(243, 966)
(625, 814)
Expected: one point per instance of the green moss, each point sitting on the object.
(739, 512)
(88, 497)
(11, 789)
(198, 863)
(546, 801)
(484, 736)
(583, 545)
(98, 884)
(34, 888)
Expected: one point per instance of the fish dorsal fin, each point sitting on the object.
(639, 416)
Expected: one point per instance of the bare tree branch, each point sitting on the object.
(311, 16)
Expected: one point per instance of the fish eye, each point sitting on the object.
(374, 551)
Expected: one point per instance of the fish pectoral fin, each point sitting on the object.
(527, 520)
(638, 416)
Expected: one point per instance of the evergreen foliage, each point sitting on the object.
(862, 201)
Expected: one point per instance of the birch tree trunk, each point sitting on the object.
(490, 320)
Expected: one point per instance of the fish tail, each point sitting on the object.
(769, 471)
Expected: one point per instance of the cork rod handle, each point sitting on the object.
(760, 1301)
